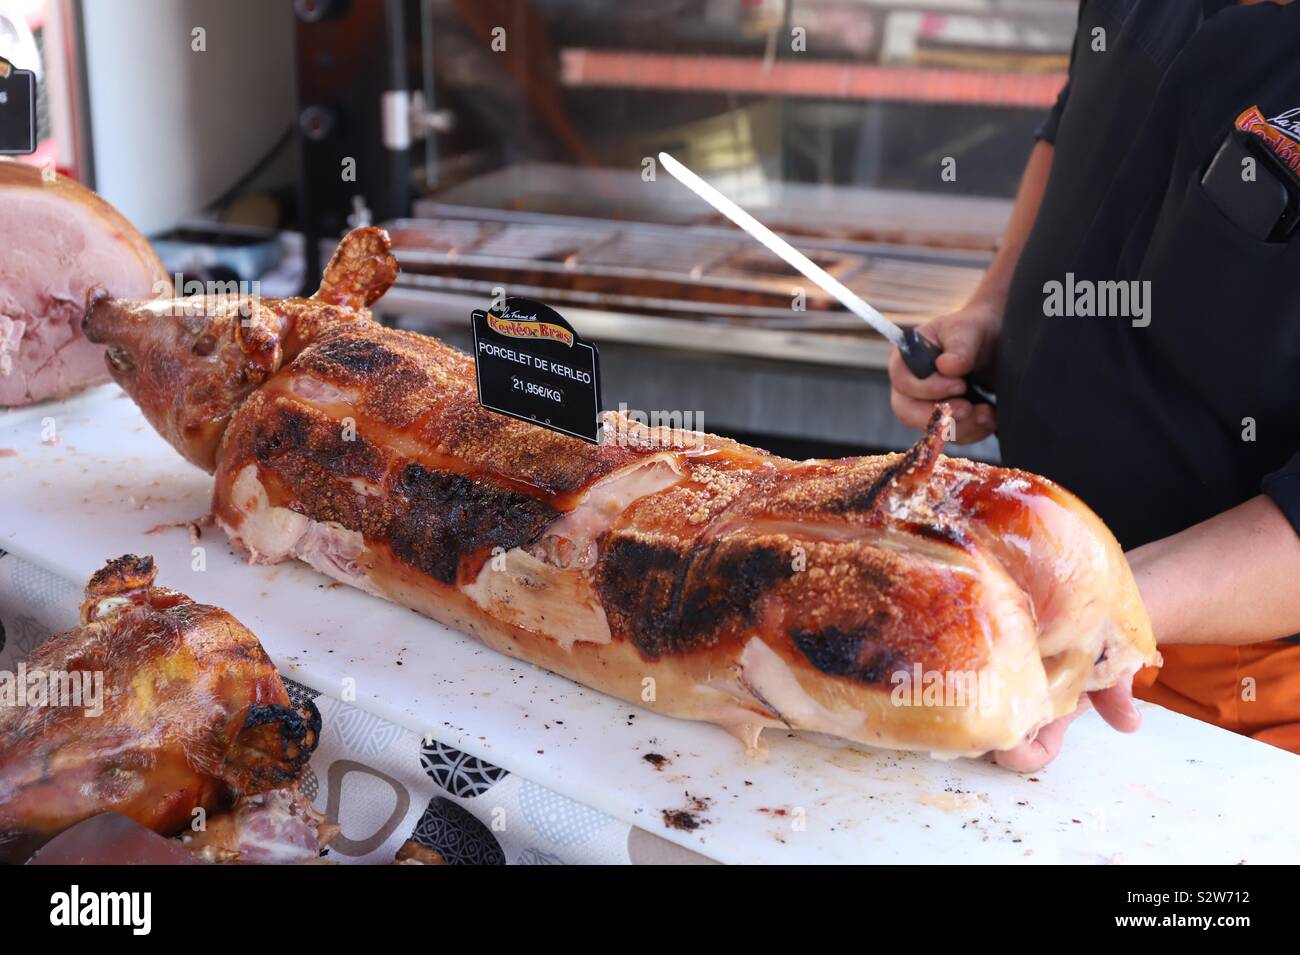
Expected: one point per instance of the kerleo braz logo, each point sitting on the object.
(516, 324)
(1281, 134)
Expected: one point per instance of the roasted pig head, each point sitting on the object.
(190, 362)
(190, 714)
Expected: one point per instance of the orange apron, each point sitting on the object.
(1252, 689)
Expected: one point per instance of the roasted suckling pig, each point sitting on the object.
(907, 600)
(188, 713)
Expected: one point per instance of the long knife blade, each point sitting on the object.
(792, 256)
(917, 351)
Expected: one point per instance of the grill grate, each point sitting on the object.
(701, 272)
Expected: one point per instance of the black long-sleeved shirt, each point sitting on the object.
(1159, 426)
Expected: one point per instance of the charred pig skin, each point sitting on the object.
(682, 571)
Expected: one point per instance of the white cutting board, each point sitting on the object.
(1178, 791)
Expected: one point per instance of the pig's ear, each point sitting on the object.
(117, 580)
(361, 270)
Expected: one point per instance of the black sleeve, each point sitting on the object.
(1283, 486)
(1046, 130)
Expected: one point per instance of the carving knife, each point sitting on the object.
(917, 351)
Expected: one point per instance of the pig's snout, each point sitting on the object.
(94, 322)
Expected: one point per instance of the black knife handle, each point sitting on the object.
(919, 354)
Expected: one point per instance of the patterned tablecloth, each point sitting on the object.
(382, 783)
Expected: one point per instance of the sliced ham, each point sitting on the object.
(61, 240)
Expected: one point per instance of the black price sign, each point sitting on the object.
(17, 109)
(533, 366)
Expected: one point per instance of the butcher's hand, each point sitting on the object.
(1116, 706)
(1228, 580)
(968, 338)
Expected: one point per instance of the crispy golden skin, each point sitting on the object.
(751, 590)
(194, 716)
